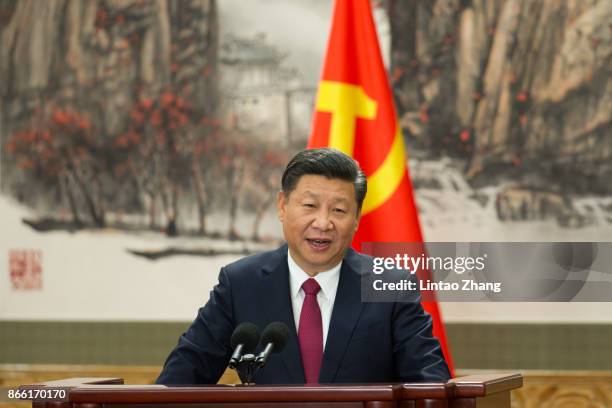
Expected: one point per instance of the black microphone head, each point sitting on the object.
(246, 334)
(276, 333)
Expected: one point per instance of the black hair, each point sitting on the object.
(327, 162)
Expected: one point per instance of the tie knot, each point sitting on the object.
(311, 286)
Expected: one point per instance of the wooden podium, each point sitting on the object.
(492, 390)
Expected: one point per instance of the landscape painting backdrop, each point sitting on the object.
(142, 141)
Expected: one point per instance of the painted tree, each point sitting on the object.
(203, 160)
(263, 179)
(113, 59)
(156, 152)
(63, 149)
(233, 152)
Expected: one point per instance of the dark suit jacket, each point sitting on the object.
(367, 342)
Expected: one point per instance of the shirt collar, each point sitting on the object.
(326, 280)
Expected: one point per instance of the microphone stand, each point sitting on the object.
(247, 368)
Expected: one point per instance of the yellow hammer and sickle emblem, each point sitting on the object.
(346, 103)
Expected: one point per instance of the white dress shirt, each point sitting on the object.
(328, 281)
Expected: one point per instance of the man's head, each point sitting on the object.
(327, 162)
(319, 206)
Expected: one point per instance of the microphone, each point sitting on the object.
(244, 340)
(274, 338)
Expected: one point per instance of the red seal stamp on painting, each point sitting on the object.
(25, 268)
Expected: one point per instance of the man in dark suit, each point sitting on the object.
(313, 285)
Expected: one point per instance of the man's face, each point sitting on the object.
(319, 217)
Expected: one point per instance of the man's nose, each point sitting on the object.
(322, 220)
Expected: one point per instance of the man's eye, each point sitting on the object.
(340, 210)
(308, 205)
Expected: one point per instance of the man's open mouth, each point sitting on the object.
(319, 244)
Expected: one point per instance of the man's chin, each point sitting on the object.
(322, 264)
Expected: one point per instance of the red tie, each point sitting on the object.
(310, 332)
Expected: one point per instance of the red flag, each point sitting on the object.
(354, 113)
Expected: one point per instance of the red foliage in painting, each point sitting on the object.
(156, 119)
(137, 116)
(102, 20)
(465, 135)
(70, 120)
(169, 113)
(180, 103)
(276, 157)
(146, 103)
(60, 117)
(396, 74)
(424, 114)
(122, 141)
(596, 41)
(83, 123)
(133, 137)
(11, 147)
(161, 138)
(522, 96)
(167, 99)
(448, 39)
(25, 164)
(206, 121)
(226, 161)
(65, 137)
(120, 170)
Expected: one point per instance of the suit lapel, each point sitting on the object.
(346, 311)
(275, 287)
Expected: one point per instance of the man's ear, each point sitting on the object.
(280, 205)
(357, 219)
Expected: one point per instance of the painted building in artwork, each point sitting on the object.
(260, 95)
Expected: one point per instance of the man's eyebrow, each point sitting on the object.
(339, 199)
(315, 195)
(310, 193)
(334, 199)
